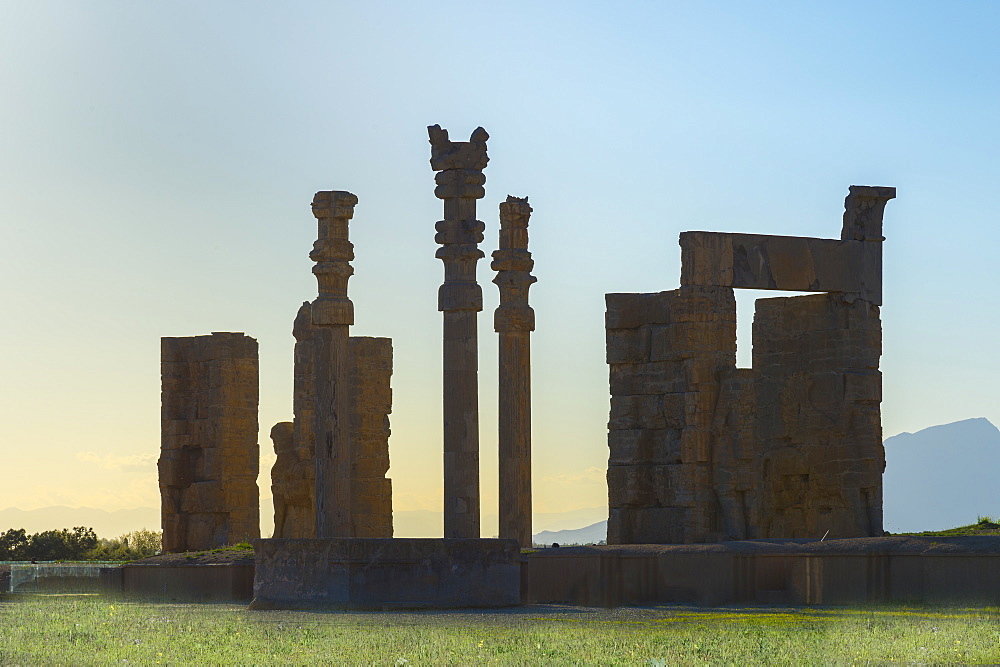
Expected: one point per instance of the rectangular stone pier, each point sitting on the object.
(374, 573)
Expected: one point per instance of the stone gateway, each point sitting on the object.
(703, 451)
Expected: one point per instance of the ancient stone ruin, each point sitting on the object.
(209, 457)
(460, 183)
(341, 392)
(342, 401)
(703, 451)
(514, 320)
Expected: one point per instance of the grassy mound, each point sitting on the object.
(984, 526)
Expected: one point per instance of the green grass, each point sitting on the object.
(94, 630)
(985, 525)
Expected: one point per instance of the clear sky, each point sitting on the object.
(157, 161)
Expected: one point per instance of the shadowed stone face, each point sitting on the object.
(703, 451)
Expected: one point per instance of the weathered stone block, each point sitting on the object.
(644, 446)
(631, 486)
(674, 485)
(628, 346)
(636, 412)
(630, 311)
(647, 525)
(650, 378)
(757, 261)
(209, 454)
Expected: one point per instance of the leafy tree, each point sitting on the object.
(61, 544)
(13, 544)
(81, 543)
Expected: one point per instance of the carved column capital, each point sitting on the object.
(460, 183)
(333, 253)
(863, 210)
(513, 265)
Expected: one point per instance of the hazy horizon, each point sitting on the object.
(159, 160)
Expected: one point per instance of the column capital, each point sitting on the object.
(863, 210)
(333, 253)
(513, 265)
(447, 154)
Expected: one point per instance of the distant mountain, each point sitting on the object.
(941, 477)
(588, 535)
(106, 524)
(426, 523)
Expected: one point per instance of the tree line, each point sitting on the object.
(81, 543)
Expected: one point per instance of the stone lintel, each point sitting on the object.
(789, 263)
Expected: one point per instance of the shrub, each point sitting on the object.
(130, 546)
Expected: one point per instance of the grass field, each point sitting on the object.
(90, 629)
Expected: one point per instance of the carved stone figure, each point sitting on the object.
(292, 484)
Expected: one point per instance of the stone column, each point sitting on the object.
(514, 320)
(332, 314)
(460, 184)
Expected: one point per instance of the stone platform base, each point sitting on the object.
(370, 573)
(934, 570)
(181, 583)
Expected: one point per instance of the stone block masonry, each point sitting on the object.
(293, 475)
(702, 451)
(209, 456)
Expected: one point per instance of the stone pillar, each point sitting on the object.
(864, 208)
(460, 183)
(209, 456)
(514, 320)
(666, 353)
(332, 314)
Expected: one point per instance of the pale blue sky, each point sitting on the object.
(157, 161)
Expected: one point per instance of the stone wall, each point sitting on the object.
(666, 352)
(703, 451)
(818, 425)
(371, 403)
(209, 456)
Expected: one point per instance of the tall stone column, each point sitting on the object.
(460, 183)
(332, 314)
(514, 320)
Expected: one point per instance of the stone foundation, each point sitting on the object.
(352, 573)
(898, 569)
